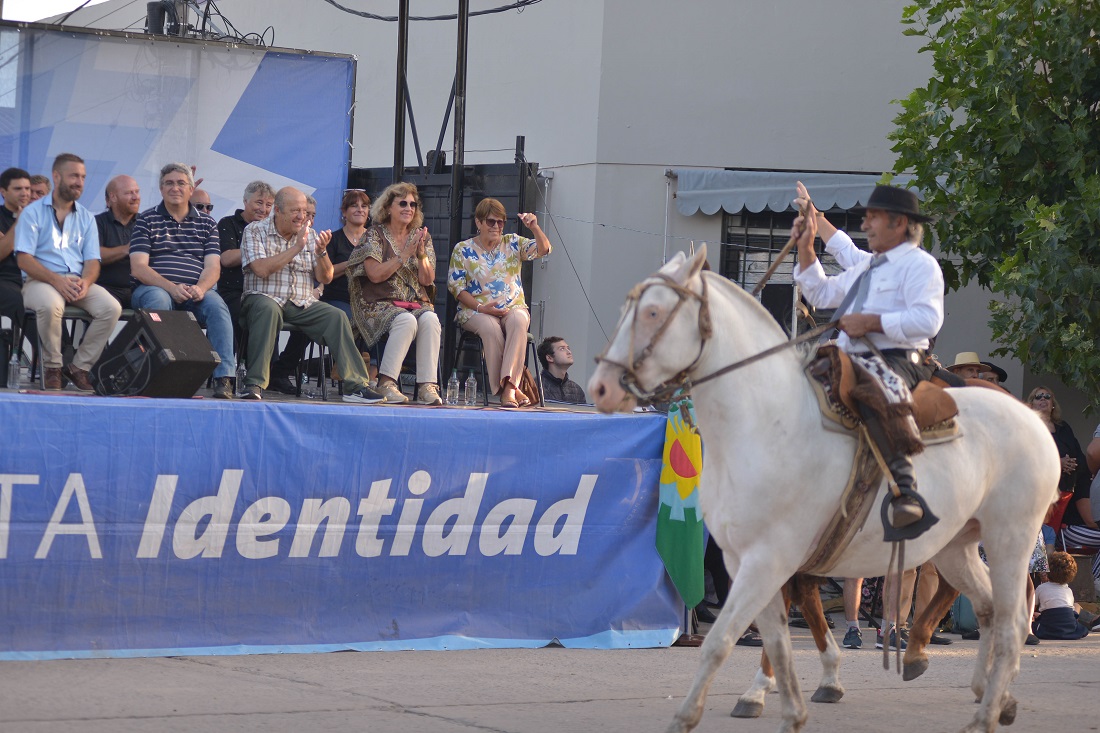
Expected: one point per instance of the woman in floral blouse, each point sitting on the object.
(484, 279)
(388, 279)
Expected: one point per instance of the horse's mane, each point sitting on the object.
(742, 296)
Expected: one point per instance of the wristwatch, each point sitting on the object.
(323, 253)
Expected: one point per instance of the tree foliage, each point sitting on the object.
(1004, 142)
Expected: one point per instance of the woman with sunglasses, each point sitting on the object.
(388, 282)
(484, 278)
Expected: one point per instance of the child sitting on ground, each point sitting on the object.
(1058, 615)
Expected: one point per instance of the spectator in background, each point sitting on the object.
(556, 359)
(992, 373)
(283, 257)
(354, 212)
(15, 187)
(40, 186)
(57, 246)
(389, 278)
(258, 200)
(967, 365)
(1058, 617)
(1081, 524)
(201, 201)
(115, 225)
(175, 259)
(484, 277)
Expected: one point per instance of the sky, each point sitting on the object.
(38, 9)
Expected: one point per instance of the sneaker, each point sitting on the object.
(750, 638)
(1031, 640)
(78, 377)
(390, 392)
(428, 394)
(937, 639)
(853, 639)
(972, 635)
(879, 641)
(223, 388)
(252, 392)
(281, 383)
(365, 396)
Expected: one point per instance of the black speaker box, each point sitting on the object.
(157, 354)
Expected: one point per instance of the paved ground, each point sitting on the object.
(533, 691)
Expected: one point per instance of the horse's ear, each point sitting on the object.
(673, 265)
(690, 266)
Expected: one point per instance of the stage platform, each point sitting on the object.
(160, 527)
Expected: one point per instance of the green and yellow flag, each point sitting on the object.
(679, 519)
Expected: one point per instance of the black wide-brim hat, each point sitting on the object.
(1002, 375)
(898, 201)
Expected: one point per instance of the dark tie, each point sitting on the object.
(857, 295)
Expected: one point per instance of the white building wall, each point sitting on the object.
(610, 94)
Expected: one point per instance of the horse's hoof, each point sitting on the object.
(913, 670)
(747, 709)
(828, 694)
(1008, 712)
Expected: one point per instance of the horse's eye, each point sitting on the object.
(652, 313)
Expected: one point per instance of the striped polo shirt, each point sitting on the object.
(176, 249)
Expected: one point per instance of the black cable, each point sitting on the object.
(546, 208)
(518, 5)
(70, 13)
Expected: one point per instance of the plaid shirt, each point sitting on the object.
(294, 282)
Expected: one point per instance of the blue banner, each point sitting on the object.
(163, 527)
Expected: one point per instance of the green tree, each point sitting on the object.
(1004, 142)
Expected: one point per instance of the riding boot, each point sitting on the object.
(907, 509)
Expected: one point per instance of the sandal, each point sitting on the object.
(508, 396)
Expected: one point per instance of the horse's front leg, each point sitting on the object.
(750, 585)
(808, 595)
(772, 621)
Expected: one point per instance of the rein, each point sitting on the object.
(665, 390)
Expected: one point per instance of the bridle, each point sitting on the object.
(665, 390)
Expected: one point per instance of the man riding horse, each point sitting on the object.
(889, 303)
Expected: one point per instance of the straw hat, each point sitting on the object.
(965, 358)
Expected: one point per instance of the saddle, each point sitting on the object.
(839, 383)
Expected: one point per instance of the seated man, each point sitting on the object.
(556, 358)
(258, 199)
(888, 325)
(40, 186)
(58, 248)
(15, 187)
(282, 257)
(175, 259)
(115, 226)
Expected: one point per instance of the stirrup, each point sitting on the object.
(910, 531)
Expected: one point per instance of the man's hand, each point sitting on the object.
(195, 292)
(857, 325)
(323, 238)
(802, 199)
(69, 287)
(180, 293)
(302, 239)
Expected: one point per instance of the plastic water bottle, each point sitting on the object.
(471, 390)
(452, 388)
(241, 374)
(13, 371)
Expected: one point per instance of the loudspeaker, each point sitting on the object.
(157, 354)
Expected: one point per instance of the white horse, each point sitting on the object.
(773, 479)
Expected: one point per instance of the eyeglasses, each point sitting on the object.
(175, 184)
(494, 223)
(205, 207)
(408, 204)
(1042, 396)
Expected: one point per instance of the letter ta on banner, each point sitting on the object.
(679, 519)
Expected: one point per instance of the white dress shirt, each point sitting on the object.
(906, 292)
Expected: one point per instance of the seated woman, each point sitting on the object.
(388, 278)
(1058, 617)
(484, 279)
(354, 212)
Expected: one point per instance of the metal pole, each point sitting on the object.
(460, 124)
(459, 148)
(399, 106)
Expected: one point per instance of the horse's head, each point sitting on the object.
(659, 339)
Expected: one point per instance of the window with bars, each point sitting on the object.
(751, 242)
